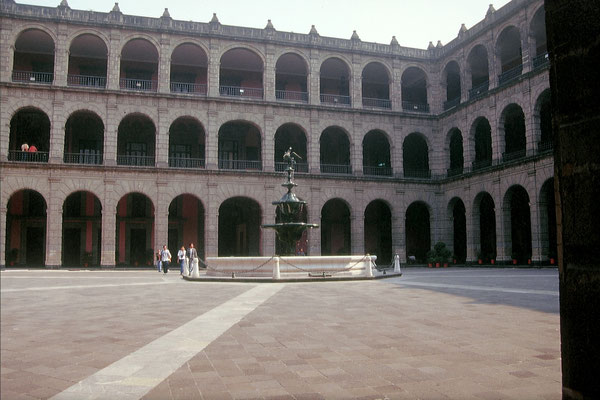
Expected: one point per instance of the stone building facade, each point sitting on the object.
(152, 131)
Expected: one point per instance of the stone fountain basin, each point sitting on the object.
(292, 266)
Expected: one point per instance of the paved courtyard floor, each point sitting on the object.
(431, 334)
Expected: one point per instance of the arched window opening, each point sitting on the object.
(510, 54)
(415, 153)
(186, 224)
(376, 154)
(82, 230)
(186, 144)
(239, 227)
(376, 86)
(456, 153)
(483, 144)
(26, 229)
(378, 232)
(29, 136)
(335, 229)
(538, 33)
(290, 135)
(335, 152)
(239, 146)
(487, 229)
(139, 66)
(136, 141)
(418, 234)
(478, 65)
(189, 65)
(291, 78)
(514, 133)
(241, 74)
(88, 59)
(452, 74)
(335, 82)
(33, 57)
(459, 231)
(414, 90)
(518, 223)
(84, 139)
(135, 230)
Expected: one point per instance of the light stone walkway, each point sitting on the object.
(431, 334)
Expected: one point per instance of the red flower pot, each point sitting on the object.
(480, 261)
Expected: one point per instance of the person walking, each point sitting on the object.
(165, 257)
(158, 261)
(192, 254)
(181, 259)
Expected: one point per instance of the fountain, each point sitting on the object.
(289, 210)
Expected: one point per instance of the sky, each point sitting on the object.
(414, 23)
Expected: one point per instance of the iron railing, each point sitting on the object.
(138, 84)
(480, 164)
(417, 173)
(509, 75)
(336, 169)
(335, 99)
(454, 171)
(377, 103)
(300, 167)
(451, 103)
(135, 161)
(513, 155)
(37, 156)
(416, 107)
(83, 158)
(32, 77)
(240, 164)
(545, 146)
(185, 162)
(87, 81)
(541, 61)
(238, 91)
(479, 90)
(188, 88)
(287, 95)
(377, 171)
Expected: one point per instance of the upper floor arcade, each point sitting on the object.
(493, 54)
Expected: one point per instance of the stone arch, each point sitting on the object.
(415, 156)
(239, 227)
(484, 226)
(81, 229)
(455, 150)
(237, 145)
(378, 230)
(512, 128)
(456, 212)
(418, 219)
(517, 224)
(336, 229)
(376, 153)
(186, 219)
(291, 135)
(542, 121)
(134, 229)
(480, 142)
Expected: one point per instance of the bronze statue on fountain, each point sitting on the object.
(289, 229)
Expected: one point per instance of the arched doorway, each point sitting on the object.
(418, 232)
(518, 222)
(135, 230)
(456, 152)
(335, 228)
(459, 229)
(239, 227)
(186, 223)
(485, 218)
(82, 230)
(26, 229)
(378, 231)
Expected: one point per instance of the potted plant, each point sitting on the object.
(479, 257)
(439, 255)
(88, 257)
(13, 255)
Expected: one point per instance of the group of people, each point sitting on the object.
(26, 148)
(185, 258)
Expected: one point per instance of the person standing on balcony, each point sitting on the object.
(25, 147)
(32, 148)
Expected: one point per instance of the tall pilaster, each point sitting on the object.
(54, 225)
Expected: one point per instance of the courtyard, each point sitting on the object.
(459, 333)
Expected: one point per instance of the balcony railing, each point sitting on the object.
(240, 164)
(188, 88)
(451, 103)
(138, 84)
(33, 77)
(541, 61)
(545, 146)
(416, 107)
(287, 95)
(336, 169)
(300, 167)
(87, 81)
(480, 164)
(377, 171)
(377, 103)
(135, 161)
(335, 99)
(417, 173)
(37, 156)
(455, 171)
(509, 75)
(513, 155)
(184, 162)
(82, 158)
(237, 91)
(479, 90)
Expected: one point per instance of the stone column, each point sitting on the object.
(356, 149)
(3, 213)
(268, 142)
(396, 92)
(314, 148)
(111, 132)
(269, 74)
(357, 221)
(211, 145)
(212, 222)
(164, 64)
(214, 66)
(161, 217)
(113, 73)
(268, 217)
(536, 243)
(397, 156)
(7, 51)
(314, 78)
(57, 131)
(109, 223)
(399, 227)
(162, 135)
(314, 217)
(54, 225)
(61, 57)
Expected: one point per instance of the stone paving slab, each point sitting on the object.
(326, 340)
